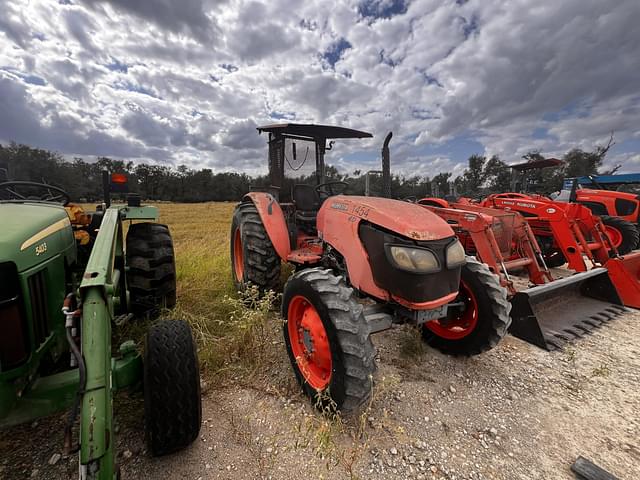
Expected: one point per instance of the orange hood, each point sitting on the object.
(404, 218)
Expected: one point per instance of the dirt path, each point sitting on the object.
(515, 413)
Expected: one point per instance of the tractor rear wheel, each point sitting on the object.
(623, 234)
(151, 272)
(483, 320)
(253, 258)
(328, 340)
(172, 405)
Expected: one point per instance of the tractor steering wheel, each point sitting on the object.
(327, 189)
(49, 194)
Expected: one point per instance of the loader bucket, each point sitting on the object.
(625, 275)
(558, 312)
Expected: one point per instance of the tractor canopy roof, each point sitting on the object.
(536, 164)
(313, 131)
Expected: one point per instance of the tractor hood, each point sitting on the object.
(403, 218)
(31, 233)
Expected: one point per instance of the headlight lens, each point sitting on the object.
(418, 260)
(455, 255)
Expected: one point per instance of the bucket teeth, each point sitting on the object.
(593, 323)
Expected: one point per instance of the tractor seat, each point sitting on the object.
(307, 202)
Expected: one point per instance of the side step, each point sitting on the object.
(551, 315)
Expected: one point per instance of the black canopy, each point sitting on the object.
(537, 164)
(313, 131)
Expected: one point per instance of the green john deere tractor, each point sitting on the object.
(68, 280)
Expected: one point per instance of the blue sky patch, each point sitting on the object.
(382, 8)
(117, 66)
(335, 51)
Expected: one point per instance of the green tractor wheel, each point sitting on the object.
(151, 275)
(173, 412)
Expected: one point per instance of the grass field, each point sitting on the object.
(230, 331)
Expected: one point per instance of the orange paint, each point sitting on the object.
(338, 222)
(273, 221)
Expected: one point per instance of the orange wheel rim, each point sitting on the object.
(238, 256)
(458, 327)
(309, 342)
(614, 235)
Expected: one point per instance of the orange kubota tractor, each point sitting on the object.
(551, 311)
(569, 233)
(608, 195)
(361, 265)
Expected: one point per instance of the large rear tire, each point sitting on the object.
(253, 258)
(328, 340)
(172, 405)
(151, 272)
(622, 233)
(481, 324)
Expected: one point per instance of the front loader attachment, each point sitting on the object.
(625, 275)
(561, 311)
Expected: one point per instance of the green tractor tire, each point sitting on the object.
(151, 274)
(173, 410)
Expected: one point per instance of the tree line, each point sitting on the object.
(83, 179)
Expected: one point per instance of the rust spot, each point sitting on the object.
(92, 417)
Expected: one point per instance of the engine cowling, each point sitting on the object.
(362, 230)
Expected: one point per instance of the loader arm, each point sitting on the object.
(103, 294)
(553, 311)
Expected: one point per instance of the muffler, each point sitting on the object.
(564, 310)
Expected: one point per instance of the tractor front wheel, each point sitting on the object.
(253, 258)
(151, 269)
(328, 340)
(172, 405)
(623, 234)
(480, 320)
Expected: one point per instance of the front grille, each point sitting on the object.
(14, 345)
(38, 292)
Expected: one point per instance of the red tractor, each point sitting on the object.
(618, 210)
(361, 265)
(549, 312)
(622, 234)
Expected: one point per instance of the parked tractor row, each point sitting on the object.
(69, 279)
(364, 264)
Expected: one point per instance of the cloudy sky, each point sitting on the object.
(187, 82)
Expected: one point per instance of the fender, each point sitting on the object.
(434, 202)
(273, 221)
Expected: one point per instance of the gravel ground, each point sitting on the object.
(516, 412)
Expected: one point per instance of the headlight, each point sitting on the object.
(417, 260)
(455, 255)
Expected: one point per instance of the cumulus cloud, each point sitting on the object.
(187, 82)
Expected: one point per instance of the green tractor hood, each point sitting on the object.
(31, 233)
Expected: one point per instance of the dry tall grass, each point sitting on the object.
(231, 331)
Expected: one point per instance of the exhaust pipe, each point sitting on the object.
(386, 167)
